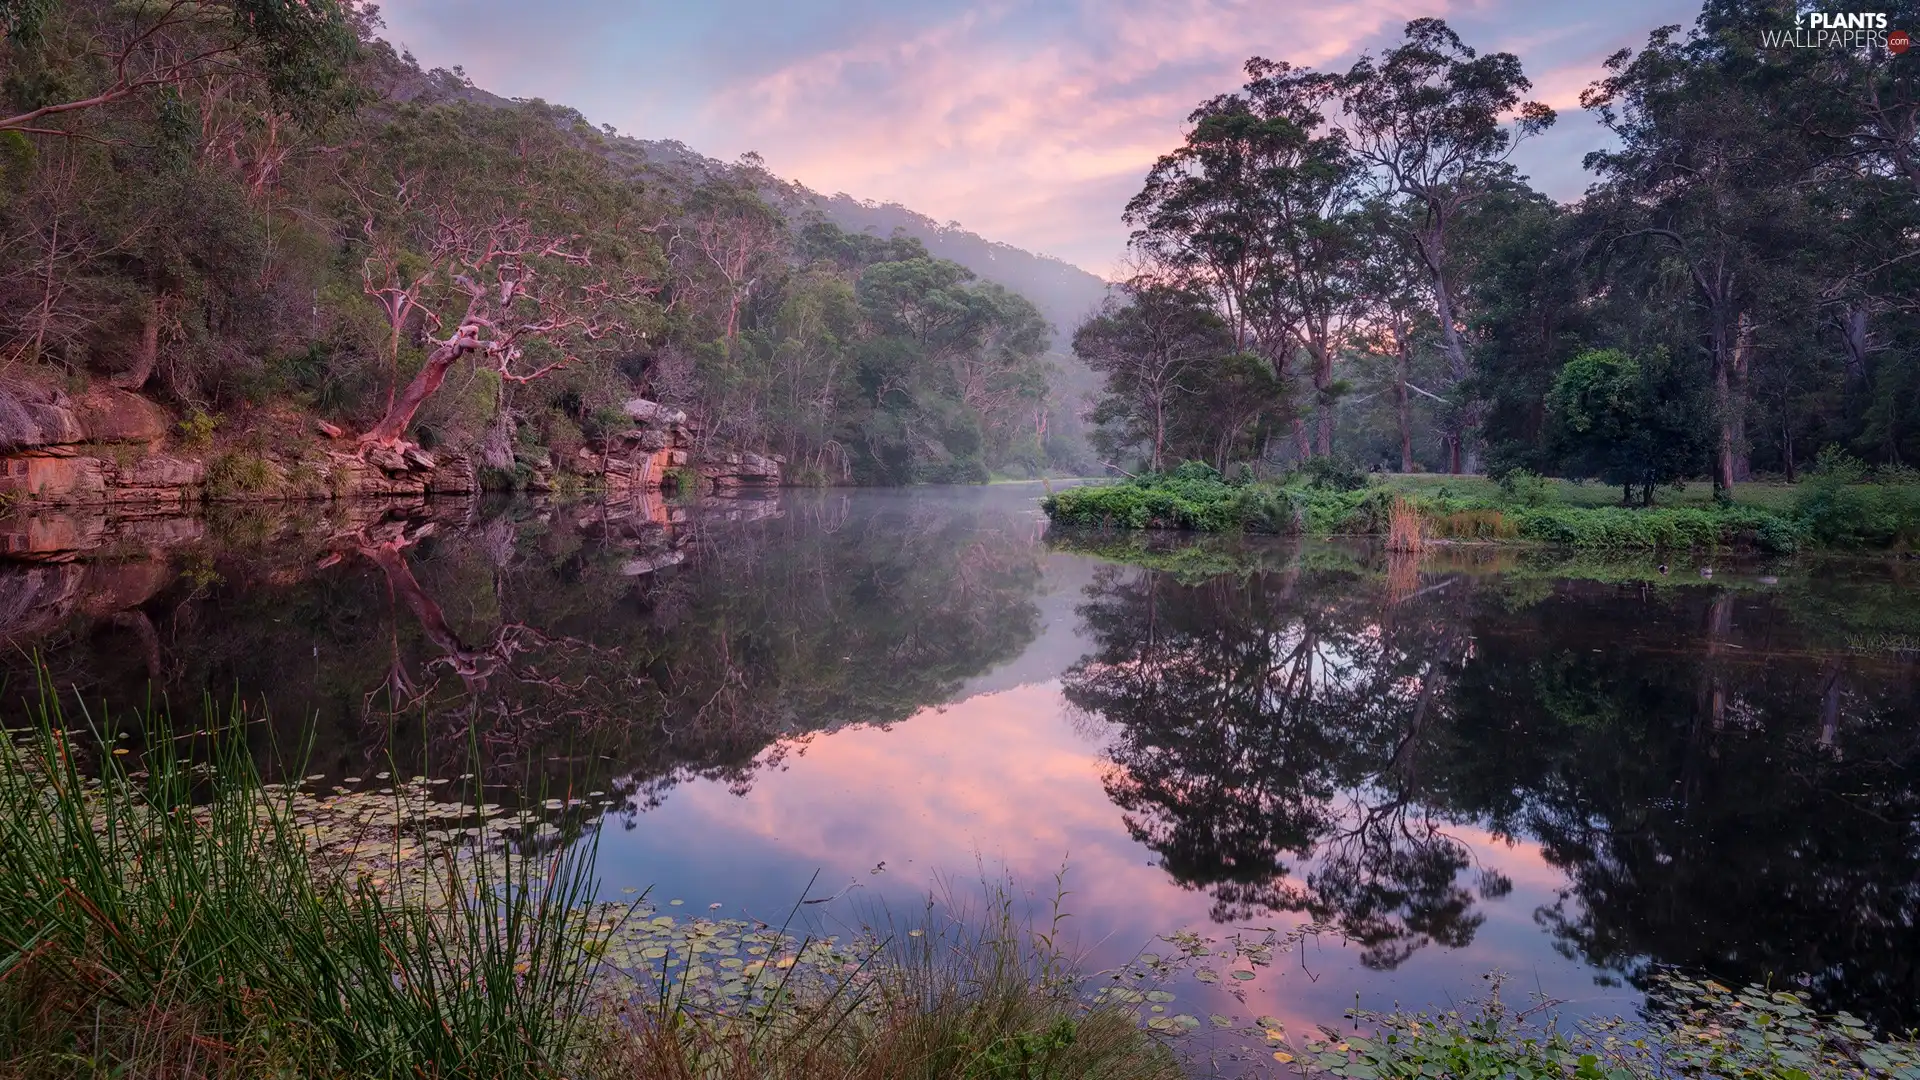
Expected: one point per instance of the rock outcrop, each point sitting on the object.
(107, 446)
(659, 452)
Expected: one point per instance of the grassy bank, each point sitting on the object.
(1830, 512)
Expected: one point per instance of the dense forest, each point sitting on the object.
(260, 204)
(1347, 263)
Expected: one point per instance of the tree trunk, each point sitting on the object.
(1159, 432)
(1723, 453)
(148, 353)
(1742, 366)
(1403, 405)
(1322, 380)
(1786, 441)
(1853, 329)
(399, 418)
(1302, 439)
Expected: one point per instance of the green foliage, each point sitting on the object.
(196, 431)
(1692, 1028)
(1330, 474)
(1838, 508)
(1204, 503)
(1525, 488)
(1624, 421)
(238, 473)
(1660, 528)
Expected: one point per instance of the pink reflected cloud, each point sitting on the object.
(1008, 783)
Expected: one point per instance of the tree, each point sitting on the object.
(1256, 208)
(1428, 119)
(1705, 171)
(1623, 422)
(74, 57)
(1152, 341)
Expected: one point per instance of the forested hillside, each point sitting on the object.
(1347, 264)
(246, 205)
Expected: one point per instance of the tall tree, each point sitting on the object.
(1155, 342)
(74, 57)
(1706, 171)
(1429, 118)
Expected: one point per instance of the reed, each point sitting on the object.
(160, 917)
(1406, 528)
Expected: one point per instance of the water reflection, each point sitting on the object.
(1466, 762)
(1723, 787)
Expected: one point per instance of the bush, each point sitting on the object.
(1200, 502)
(1329, 474)
(238, 473)
(1525, 488)
(196, 431)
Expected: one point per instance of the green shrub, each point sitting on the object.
(238, 473)
(196, 431)
(1329, 473)
(1523, 487)
(1200, 502)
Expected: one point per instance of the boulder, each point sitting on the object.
(654, 414)
(387, 458)
(59, 479)
(109, 415)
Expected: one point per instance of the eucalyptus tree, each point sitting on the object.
(1708, 174)
(1258, 206)
(70, 58)
(1428, 120)
(1153, 342)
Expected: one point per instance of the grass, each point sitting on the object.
(1825, 512)
(174, 920)
(238, 473)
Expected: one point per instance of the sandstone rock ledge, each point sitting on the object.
(111, 447)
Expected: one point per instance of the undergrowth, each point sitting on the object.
(1830, 513)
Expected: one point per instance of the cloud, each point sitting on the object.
(1036, 139)
(1028, 121)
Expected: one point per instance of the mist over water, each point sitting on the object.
(1478, 762)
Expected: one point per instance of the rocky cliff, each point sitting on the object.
(107, 446)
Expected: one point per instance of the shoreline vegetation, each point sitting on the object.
(1841, 507)
(166, 912)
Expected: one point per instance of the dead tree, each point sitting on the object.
(515, 289)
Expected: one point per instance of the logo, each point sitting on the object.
(1861, 30)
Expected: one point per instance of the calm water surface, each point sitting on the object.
(1477, 762)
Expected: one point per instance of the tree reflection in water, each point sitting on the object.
(1724, 783)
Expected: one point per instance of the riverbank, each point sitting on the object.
(95, 445)
(1836, 513)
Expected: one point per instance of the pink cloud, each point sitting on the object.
(1040, 140)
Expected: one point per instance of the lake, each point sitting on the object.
(1572, 772)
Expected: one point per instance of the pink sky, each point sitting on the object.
(1027, 122)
